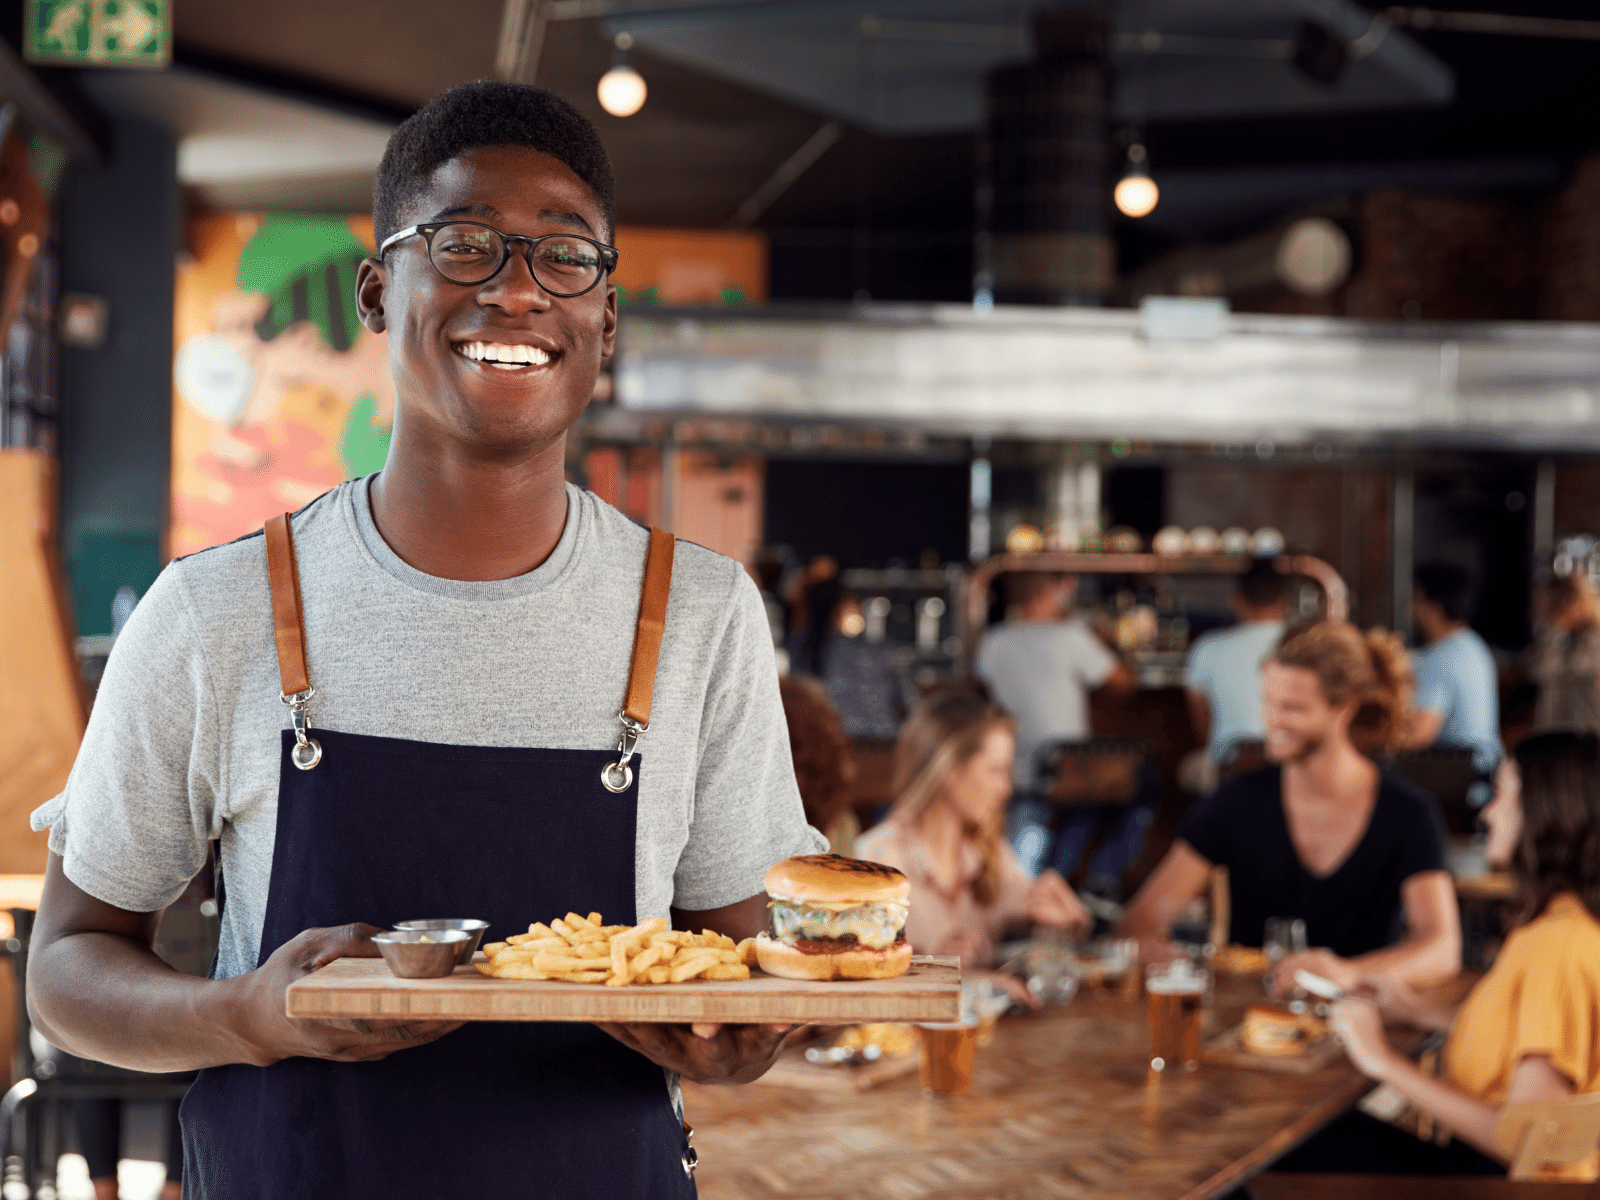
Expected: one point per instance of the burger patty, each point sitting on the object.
(834, 945)
(875, 926)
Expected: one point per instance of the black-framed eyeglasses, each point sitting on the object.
(470, 252)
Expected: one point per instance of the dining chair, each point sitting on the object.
(1548, 1133)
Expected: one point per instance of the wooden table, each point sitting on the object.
(1413, 1187)
(1062, 1105)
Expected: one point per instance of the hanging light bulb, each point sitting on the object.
(622, 90)
(1136, 194)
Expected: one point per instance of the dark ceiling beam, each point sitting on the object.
(45, 110)
(291, 86)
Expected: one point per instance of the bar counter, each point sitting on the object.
(1062, 1104)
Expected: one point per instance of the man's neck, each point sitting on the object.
(1335, 772)
(1037, 615)
(471, 516)
(1445, 629)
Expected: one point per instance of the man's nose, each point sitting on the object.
(516, 289)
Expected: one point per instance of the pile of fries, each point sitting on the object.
(579, 949)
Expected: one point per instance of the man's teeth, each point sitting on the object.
(504, 356)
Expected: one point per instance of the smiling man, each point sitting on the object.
(468, 623)
(1324, 834)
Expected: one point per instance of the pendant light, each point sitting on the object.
(622, 90)
(1136, 194)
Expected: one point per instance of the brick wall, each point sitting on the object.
(1568, 249)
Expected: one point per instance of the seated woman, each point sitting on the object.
(1527, 1030)
(1322, 834)
(945, 831)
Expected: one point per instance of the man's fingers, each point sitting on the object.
(705, 1029)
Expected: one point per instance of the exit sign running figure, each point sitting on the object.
(110, 33)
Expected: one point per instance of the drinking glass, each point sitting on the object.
(1283, 936)
(948, 1052)
(1175, 993)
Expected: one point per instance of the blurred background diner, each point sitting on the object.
(1166, 438)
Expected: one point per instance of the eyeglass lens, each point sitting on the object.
(471, 253)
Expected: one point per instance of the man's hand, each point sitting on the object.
(706, 1053)
(270, 1036)
(1338, 971)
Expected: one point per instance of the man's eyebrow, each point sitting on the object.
(487, 212)
(571, 219)
(467, 210)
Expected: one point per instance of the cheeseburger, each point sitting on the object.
(835, 918)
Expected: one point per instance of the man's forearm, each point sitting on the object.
(1419, 960)
(107, 998)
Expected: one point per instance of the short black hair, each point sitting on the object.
(1447, 585)
(1262, 585)
(488, 113)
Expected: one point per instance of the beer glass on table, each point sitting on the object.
(1176, 994)
(1283, 936)
(948, 1052)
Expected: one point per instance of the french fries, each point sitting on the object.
(584, 949)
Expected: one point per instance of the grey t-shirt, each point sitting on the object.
(184, 741)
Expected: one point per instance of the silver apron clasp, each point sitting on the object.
(618, 776)
(307, 751)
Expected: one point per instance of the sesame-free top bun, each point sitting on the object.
(834, 879)
(857, 962)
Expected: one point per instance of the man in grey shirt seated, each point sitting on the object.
(1457, 701)
(1223, 675)
(1040, 666)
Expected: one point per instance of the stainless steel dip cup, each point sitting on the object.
(473, 929)
(421, 953)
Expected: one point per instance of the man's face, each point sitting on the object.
(1297, 716)
(444, 395)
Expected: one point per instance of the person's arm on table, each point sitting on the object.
(1430, 953)
(1178, 878)
(96, 989)
(1357, 1024)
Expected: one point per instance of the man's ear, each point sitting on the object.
(608, 328)
(370, 283)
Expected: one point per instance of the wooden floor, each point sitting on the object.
(1062, 1105)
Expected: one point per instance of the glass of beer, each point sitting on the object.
(1176, 993)
(948, 1052)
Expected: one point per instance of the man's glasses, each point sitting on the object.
(470, 252)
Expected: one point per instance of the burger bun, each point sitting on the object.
(857, 962)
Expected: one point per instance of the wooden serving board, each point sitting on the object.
(1227, 1049)
(793, 1071)
(363, 987)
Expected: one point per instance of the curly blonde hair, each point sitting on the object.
(1369, 671)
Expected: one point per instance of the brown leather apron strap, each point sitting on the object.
(289, 635)
(652, 624)
(635, 714)
(288, 627)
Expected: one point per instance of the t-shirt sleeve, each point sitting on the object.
(1555, 1016)
(1199, 670)
(1210, 825)
(140, 803)
(1433, 683)
(1421, 839)
(1093, 662)
(747, 813)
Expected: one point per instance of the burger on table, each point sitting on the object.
(415, 714)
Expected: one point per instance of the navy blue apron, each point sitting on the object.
(384, 830)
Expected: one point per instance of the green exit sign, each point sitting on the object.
(108, 33)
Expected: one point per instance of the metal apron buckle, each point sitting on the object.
(307, 751)
(617, 777)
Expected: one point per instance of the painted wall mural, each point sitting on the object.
(280, 393)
